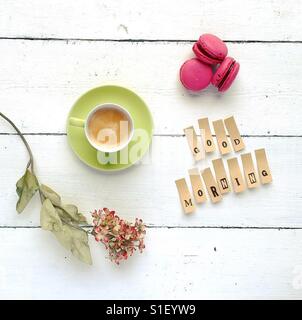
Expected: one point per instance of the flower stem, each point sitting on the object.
(31, 158)
(77, 227)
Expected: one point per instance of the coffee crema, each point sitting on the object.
(109, 128)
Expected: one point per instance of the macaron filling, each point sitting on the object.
(204, 52)
(223, 80)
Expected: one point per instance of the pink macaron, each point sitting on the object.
(195, 75)
(210, 49)
(225, 74)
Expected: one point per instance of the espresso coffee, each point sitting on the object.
(109, 128)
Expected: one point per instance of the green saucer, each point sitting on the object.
(142, 120)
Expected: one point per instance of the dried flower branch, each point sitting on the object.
(121, 238)
(65, 221)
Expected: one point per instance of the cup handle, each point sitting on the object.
(76, 122)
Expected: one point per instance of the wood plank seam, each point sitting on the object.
(179, 227)
(143, 40)
(155, 135)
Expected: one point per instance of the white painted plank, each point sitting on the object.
(177, 264)
(148, 191)
(149, 19)
(40, 80)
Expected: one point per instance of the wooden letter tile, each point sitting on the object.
(211, 185)
(222, 140)
(249, 171)
(263, 167)
(235, 136)
(185, 196)
(236, 176)
(194, 143)
(197, 186)
(221, 176)
(206, 135)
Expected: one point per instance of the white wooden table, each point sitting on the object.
(248, 246)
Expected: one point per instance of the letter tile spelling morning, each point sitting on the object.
(194, 143)
(211, 185)
(263, 167)
(249, 171)
(185, 196)
(197, 186)
(221, 176)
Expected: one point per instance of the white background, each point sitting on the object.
(249, 245)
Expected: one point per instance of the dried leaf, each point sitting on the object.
(56, 217)
(70, 213)
(26, 187)
(51, 195)
(50, 219)
(76, 241)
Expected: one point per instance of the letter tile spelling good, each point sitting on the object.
(236, 176)
(206, 135)
(249, 171)
(211, 185)
(197, 186)
(221, 176)
(235, 136)
(194, 143)
(185, 196)
(263, 167)
(222, 140)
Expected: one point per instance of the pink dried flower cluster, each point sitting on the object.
(120, 237)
